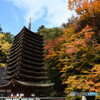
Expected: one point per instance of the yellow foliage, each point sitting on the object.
(3, 64)
(4, 48)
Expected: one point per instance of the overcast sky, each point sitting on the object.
(14, 14)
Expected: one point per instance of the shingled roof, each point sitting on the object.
(2, 74)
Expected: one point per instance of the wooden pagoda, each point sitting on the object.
(25, 68)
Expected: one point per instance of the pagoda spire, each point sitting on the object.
(29, 27)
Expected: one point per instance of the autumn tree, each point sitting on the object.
(5, 44)
(82, 56)
(52, 44)
(4, 49)
(85, 8)
(75, 54)
(89, 12)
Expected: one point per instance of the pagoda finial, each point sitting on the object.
(29, 27)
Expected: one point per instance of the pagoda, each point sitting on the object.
(25, 67)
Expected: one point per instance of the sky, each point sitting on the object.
(14, 14)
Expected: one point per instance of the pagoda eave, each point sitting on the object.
(25, 56)
(22, 65)
(25, 71)
(14, 82)
(34, 84)
(16, 75)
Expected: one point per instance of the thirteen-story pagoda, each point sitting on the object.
(25, 68)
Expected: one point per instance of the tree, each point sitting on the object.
(50, 33)
(76, 55)
(9, 38)
(40, 28)
(85, 8)
(52, 44)
(4, 49)
(82, 57)
(0, 29)
(5, 44)
(71, 22)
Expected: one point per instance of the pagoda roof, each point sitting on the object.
(17, 42)
(25, 42)
(27, 30)
(33, 39)
(26, 61)
(10, 68)
(33, 72)
(26, 71)
(10, 72)
(35, 84)
(22, 65)
(33, 42)
(25, 52)
(34, 77)
(30, 57)
(2, 70)
(13, 58)
(13, 63)
(15, 51)
(25, 83)
(12, 51)
(32, 46)
(28, 41)
(26, 76)
(33, 36)
(18, 45)
(41, 56)
(26, 36)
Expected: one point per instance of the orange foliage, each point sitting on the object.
(85, 7)
(53, 46)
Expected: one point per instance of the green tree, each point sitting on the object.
(40, 28)
(9, 38)
(50, 34)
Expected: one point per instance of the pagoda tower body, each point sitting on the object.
(25, 71)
